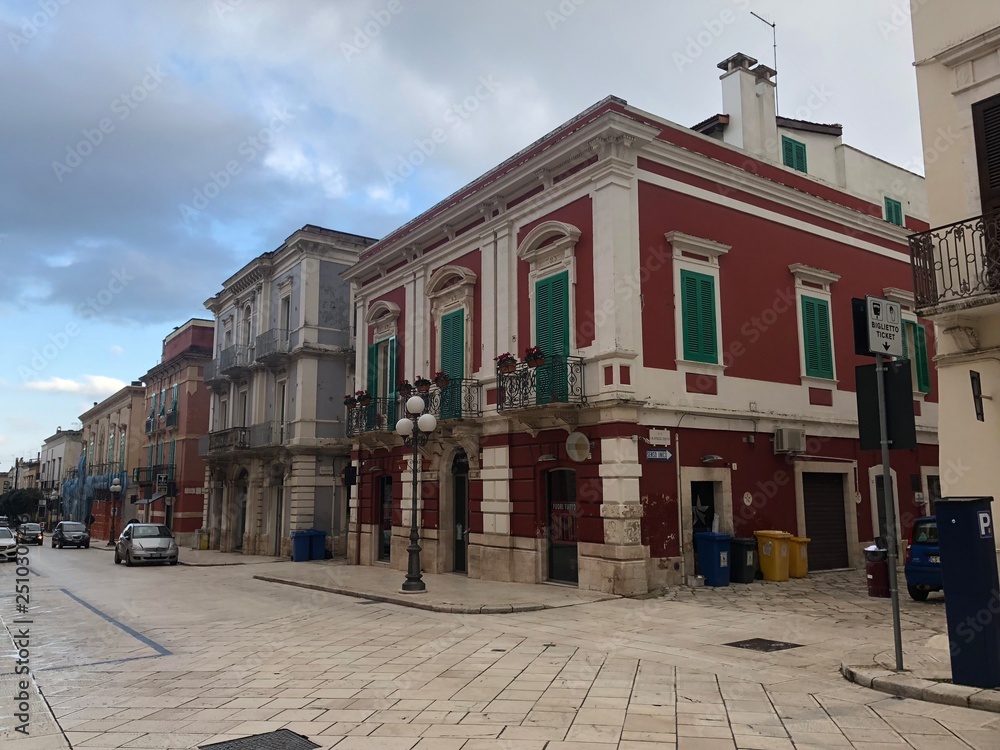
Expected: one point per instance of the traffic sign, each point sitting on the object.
(885, 327)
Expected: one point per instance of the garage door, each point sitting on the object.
(826, 525)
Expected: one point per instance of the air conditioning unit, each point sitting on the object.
(789, 440)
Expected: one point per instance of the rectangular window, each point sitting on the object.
(382, 381)
(284, 315)
(121, 449)
(915, 340)
(894, 212)
(173, 451)
(174, 393)
(152, 406)
(793, 153)
(698, 323)
(552, 314)
(816, 339)
(149, 460)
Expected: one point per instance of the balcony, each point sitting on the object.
(267, 435)
(233, 439)
(460, 399)
(150, 474)
(150, 424)
(272, 347)
(234, 361)
(957, 263)
(379, 415)
(173, 418)
(212, 377)
(558, 381)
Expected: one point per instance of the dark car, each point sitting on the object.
(146, 542)
(923, 559)
(70, 534)
(29, 533)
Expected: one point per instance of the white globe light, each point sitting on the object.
(415, 405)
(427, 423)
(404, 427)
(116, 485)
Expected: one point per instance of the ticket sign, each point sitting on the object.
(885, 327)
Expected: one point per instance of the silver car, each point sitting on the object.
(146, 542)
(8, 545)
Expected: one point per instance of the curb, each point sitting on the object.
(408, 601)
(908, 686)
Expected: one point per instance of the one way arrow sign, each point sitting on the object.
(885, 327)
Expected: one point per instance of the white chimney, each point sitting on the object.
(748, 99)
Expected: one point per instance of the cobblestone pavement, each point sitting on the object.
(177, 657)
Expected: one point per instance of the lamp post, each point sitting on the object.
(415, 429)
(116, 488)
(53, 504)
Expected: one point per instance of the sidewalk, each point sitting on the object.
(446, 592)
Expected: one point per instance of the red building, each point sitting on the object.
(171, 477)
(690, 292)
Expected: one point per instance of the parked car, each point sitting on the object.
(70, 534)
(4, 522)
(146, 542)
(923, 559)
(8, 545)
(30, 533)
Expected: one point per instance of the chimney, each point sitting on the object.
(748, 99)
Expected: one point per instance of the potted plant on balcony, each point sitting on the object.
(534, 356)
(363, 398)
(506, 363)
(404, 388)
(350, 401)
(441, 379)
(423, 384)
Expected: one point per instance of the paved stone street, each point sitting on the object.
(177, 657)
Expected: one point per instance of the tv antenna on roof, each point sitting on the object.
(774, 46)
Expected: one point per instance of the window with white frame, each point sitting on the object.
(698, 320)
(813, 306)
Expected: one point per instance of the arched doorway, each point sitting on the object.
(382, 483)
(460, 503)
(560, 502)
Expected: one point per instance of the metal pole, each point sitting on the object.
(413, 582)
(888, 494)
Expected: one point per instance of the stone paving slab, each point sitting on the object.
(210, 558)
(446, 592)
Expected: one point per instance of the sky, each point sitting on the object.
(149, 150)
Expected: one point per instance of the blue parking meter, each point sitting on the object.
(971, 589)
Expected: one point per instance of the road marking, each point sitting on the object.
(160, 650)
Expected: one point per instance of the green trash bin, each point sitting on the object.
(743, 560)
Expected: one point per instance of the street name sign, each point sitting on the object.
(885, 327)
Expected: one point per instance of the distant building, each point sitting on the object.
(956, 265)
(59, 458)
(171, 477)
(284, 360)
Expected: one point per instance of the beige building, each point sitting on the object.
(957, 264)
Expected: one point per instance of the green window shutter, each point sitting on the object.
(698, 321)
(121, 450)
(173, 405)
(152, 408)
(150, 461)
(793, 153)
(923, 362)
(906, 346)
(453, 344)
(894, 212)
(391, 382)
(552, 314)
(373, 370)
(163, 402)
(173, 450)
(816, 338)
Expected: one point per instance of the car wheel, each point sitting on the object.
(128, 559)
(86, 546)
(917, 595)
(60, 545)
(53, 544)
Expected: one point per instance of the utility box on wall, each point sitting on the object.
(971, 589)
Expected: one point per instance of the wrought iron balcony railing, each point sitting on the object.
(150, 474)
(558, 380)
(267, 435)
(211, 373)
(378, 415)
(956, 262)
(459, 399)
(233, 439)
(272, 346)
(172, 418)
(150, 424)
(234, 359)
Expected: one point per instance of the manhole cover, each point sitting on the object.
(764, 645)
(283, 739)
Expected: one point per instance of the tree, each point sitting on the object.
(19, 504)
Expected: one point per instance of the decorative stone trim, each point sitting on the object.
(382, 318)
(710, 250)
(808, 275)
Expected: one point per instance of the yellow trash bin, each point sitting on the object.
(202, 539)
(798, 557)
(773, 547)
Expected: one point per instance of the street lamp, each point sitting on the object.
(116, 488)
(415, 429)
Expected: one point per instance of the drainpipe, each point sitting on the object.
(680, 508)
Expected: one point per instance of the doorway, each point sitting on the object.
(241, 510)
(383, 509)
(702, 506)
(826, 521)
(279, 514)
(460, 490)
(560, 493)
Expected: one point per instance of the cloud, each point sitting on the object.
(88, 385)
(116, 350)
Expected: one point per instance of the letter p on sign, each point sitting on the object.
(985, 525)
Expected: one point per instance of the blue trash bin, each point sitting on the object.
(301, 546)
(317, 545)
(712, 549)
